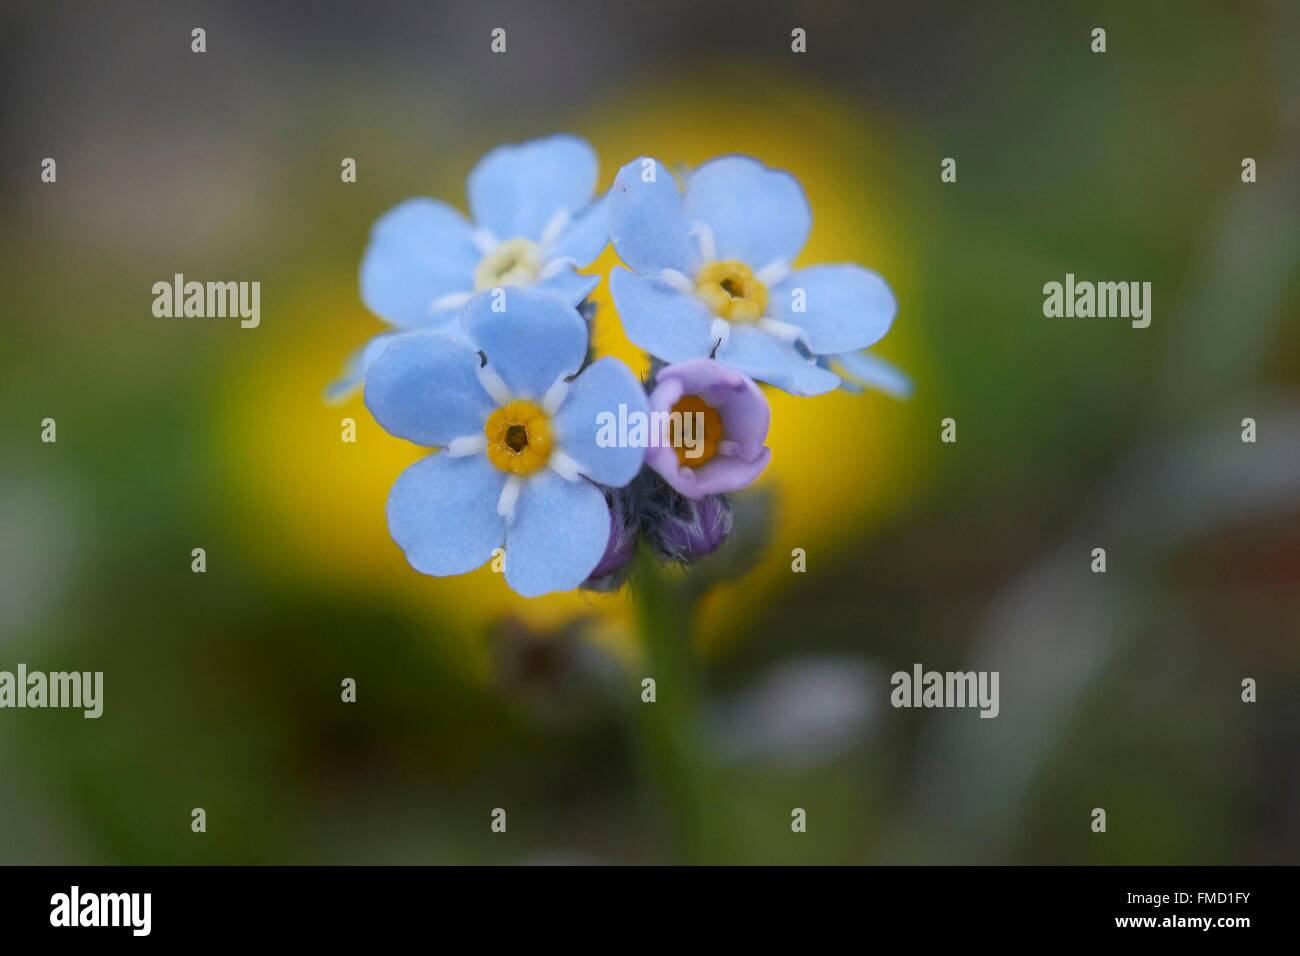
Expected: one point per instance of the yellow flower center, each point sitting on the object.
(513, 262)
(732, 291)
(519, 438)
(703, 445)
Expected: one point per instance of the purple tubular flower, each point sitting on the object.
(730, 453)
(694, 530)
(622, 539)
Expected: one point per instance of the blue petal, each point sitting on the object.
(863, 368)
(847, 307)
(349, 381)
(758, 215)
(845, 385)
(585, 237)
(452, 329)
(424, 387)
(419, 251)
(354, 369)
(647, 224)
(667, 323)
(442, 512)
(558, 534)
(515, 190)
(766, 358)
(603, 386)
(568, 286)
(535, 340)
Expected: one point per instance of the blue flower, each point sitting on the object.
(534, 224)
(520, 462)
(711, 274)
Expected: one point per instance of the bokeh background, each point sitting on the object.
(222, 690)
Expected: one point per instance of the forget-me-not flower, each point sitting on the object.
(728, 451)
(534, 224)
(712, 274)
(520, 461)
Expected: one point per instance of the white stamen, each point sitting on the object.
(565, 466)
(728, 447)
(720, 332)
(703, 236)
(466, 445)
(785, 331)
(773, 272)
(554, 226)
(484, 240)
(452, 300)
(509, 495)
(677, 280)
(556, 266)
(555, 396)
(493, 385)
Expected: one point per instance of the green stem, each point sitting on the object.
(676, 740)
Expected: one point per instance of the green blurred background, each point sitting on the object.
(1119, 691)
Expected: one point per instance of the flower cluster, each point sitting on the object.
(490, 361)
